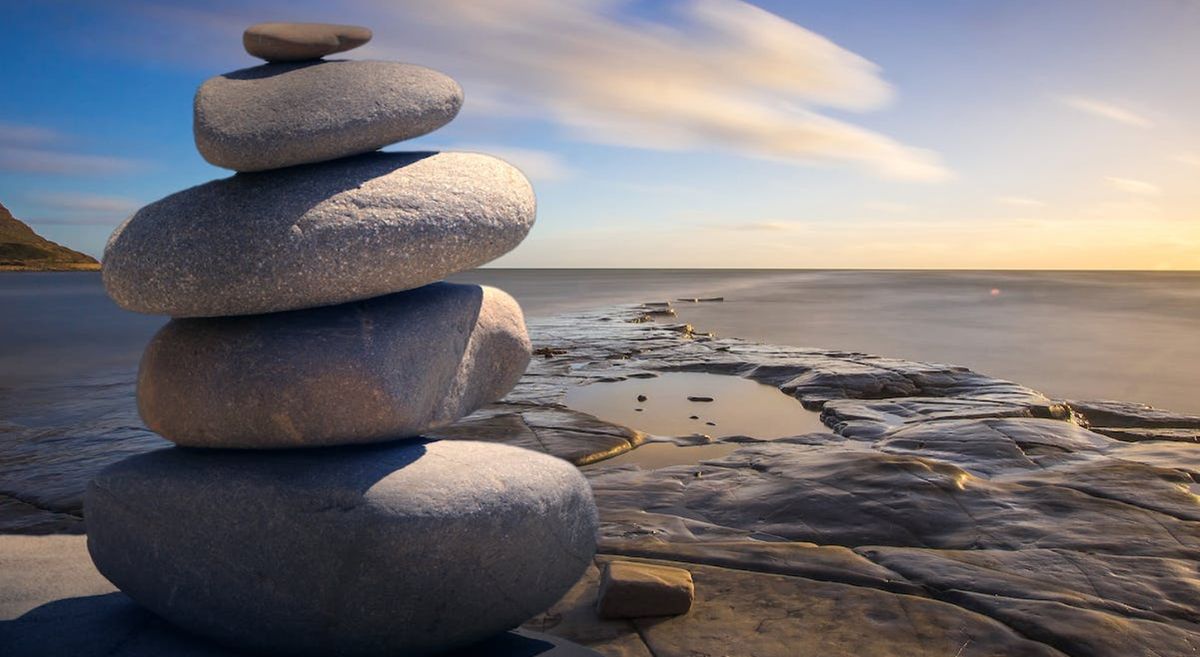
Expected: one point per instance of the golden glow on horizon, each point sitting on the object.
(1018, 243)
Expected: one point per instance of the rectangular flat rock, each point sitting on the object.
(635, 590)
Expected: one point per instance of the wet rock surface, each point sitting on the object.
(945, 512)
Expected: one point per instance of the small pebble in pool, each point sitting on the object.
(641, 397)
(699, 399)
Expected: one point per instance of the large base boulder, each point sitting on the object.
(400, 549)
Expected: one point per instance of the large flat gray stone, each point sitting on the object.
(368, 371)
(399, 549)
(317, 235)
(280, 115)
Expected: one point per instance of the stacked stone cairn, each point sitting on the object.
(311, 344)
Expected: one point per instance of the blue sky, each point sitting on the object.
(707, 133)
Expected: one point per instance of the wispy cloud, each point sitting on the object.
(1020, 201)
(887, 206)
(74, 221)
(82, 209)
(1131, 186)
(1190, 159)
(761, 226)
(715, 75)
(537, 165)
(28, 148)
(32, 160)
(1106, 110)
(89, 203)
(19, 133)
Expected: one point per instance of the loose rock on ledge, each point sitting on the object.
(400, 549)
(317, 235)
(280, 115)
(636, 590)
(289, 42)
(373, 370)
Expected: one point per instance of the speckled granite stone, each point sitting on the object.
(279, 115)
(400, 549)
(317, 235)
(368, 371)
(290, 42)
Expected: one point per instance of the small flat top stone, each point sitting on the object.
(295, 42)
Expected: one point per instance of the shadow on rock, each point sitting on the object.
(112, 625)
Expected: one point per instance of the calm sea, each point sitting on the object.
(1073, 335)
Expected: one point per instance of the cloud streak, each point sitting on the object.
(1107, 110)
(716, 75)
(1021, 201)
(89, 203)
(537, 165)
(756, 226)
(82, 209)
(1131, 186)
(1190, 159)
(33, 160)
(24, 149)
(19, 133)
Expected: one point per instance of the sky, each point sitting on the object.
(1015, 134)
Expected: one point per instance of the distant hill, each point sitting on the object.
(21, 249)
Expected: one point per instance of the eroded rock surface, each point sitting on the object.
(945, 512)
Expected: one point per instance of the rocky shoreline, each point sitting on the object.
(944, 512)
(21, 249)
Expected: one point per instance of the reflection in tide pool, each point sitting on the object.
(668, 405)
(651, 456)
(739, 407)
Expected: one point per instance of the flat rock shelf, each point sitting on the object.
(940, 512)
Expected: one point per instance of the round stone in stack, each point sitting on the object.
(400, 549)
(368, 371)
(317, 235)
(280, 115)
(291, 42)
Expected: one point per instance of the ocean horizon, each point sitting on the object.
(1071, 334)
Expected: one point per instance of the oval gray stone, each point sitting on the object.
(368, 371)
(317, 235)
(290, 42)
(280, 115)
(399, 549)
